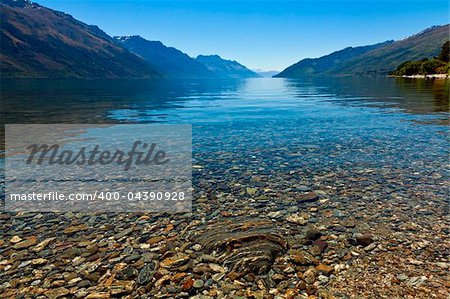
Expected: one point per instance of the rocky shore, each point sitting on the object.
(431, 76)
(358, 218)
(239, 243)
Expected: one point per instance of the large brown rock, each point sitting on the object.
(243, 246)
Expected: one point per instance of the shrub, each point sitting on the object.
(445, 55)
(408, 68)
(431, 66)
(437, 65)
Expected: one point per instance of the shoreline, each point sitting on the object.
(431, 76)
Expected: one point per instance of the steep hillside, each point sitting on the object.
(312, 66)
(166, 60)
(39, 42)
(225, 68)
(377, 59)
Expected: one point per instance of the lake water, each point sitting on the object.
(285, 135)
(276, 164)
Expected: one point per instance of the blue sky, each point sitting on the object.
(268, 35)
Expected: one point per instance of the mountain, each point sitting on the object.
(313, 66)
(225, 68)
(378, 59)
(39, 42)
(166, 60)
(266, 74)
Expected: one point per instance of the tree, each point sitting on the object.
(408, 68)
(425, 66)
(432, 66)
(444, 55)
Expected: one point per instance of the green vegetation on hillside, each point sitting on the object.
(437, 65)
(374, 60)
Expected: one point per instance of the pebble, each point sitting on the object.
(15, 239)
(313, 234)
(416, 281)
(146, 273)
(28, 242)
(218, 276)
(321, 245)
(325, 269)
(364, 240)
(253, 231)
(302, 257)
(308, 197)
(76, 228)
(198, 284)
(56, 293)
(176, 260)
(297, 219)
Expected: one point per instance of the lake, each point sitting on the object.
(349, 174)
(321, 122)
(282, 133)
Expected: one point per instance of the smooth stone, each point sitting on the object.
(323, 279)
(133, 257)
(325, 269)
(198, 284)
(36, 282)
(364, 240)
(218, 276)
(308, 197)
(76, 228)
(146, 273)
(129, 272)
(176, 260)
(28, 242)
(56, 293)
(251, 191)
(313, 234)
(322, 245)
(15, 239)
(310, 276)
(297, 219)
(123, 233)
(302, 257)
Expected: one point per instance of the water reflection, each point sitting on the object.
(416, 96)
(440, 90)
(89, 101)
(112, 101)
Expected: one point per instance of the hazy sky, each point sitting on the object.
(269, 35)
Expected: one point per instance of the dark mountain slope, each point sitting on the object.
(225, 68)
(376, 59)
(166, 60)
(311, 66)
(425, 44)
(39, 42)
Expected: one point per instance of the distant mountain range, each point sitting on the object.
(378, 59)
(225, 68)
(266, 74)
(38, 42)
(168, 61)
(173, 63)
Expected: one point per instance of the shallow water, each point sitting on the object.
(268, 132)
(277, 163)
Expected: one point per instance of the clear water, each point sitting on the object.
(284, 131)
